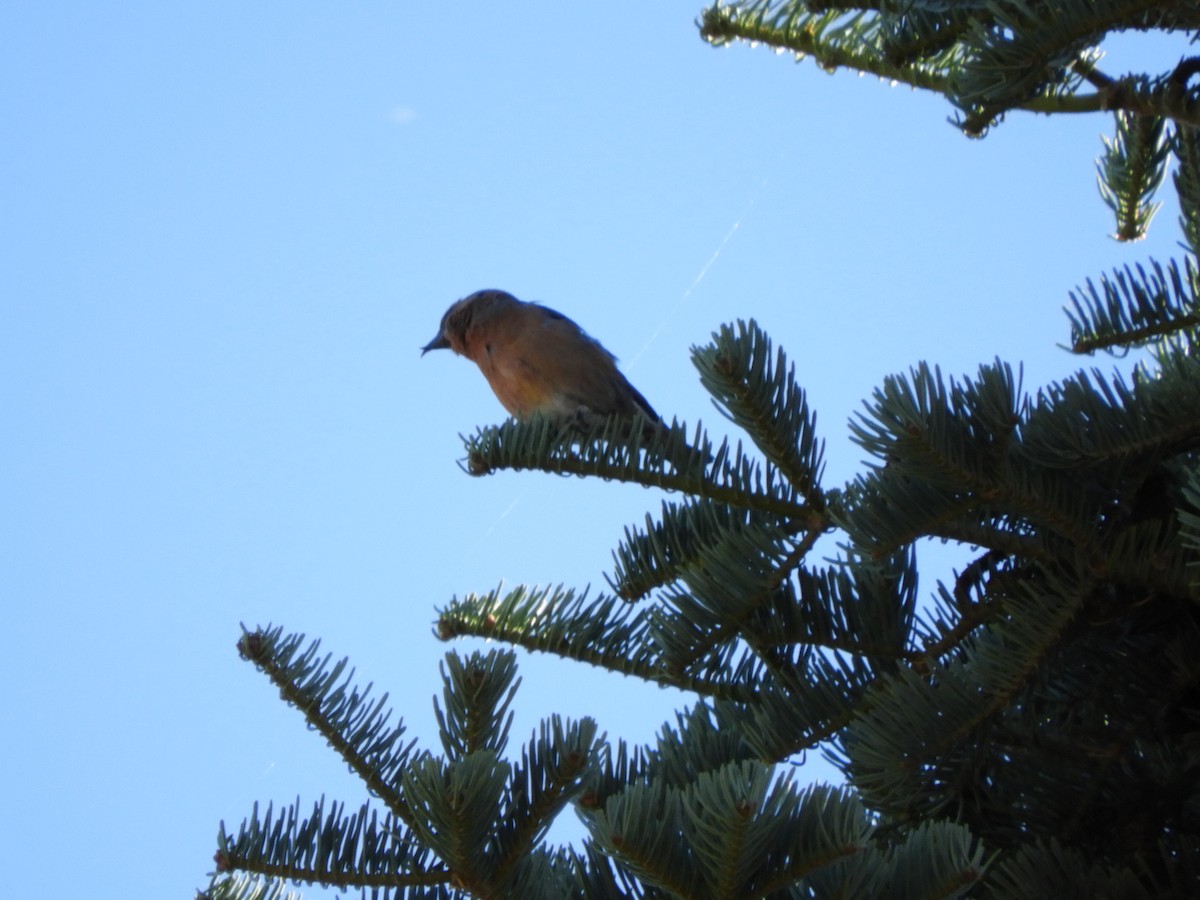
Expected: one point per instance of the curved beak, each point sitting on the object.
(438, 343)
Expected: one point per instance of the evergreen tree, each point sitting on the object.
(1031, 730)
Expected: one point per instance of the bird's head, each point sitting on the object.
(471, 309)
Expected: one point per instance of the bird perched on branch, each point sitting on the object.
(539, 361)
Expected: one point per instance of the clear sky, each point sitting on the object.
(227, 228)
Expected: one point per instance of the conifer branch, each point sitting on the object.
(732, 580)
(1044, 869)
(1189, 523)
(328, 847)
(603, 451)
(1186, 146)
(898, 746)
(246, 886)
(688, 535)
(956, 616)
(1088, 421)
(604, 632)
(987, 59)
(354, 728)
(834, 39)
(1134, 307)
(953, 460)
(1131, 170)
(868, 616)
(553, 769)
(477, 693)
(805, 711)
(759, 394)
(457, 806)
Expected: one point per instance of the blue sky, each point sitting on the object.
(228, 228)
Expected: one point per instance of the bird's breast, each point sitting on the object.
(515, 382)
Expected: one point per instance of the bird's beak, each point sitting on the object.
(438, 343)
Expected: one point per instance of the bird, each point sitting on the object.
(539, 362)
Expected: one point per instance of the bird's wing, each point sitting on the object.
(585, 372)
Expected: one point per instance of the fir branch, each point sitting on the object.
(900, 751)
(603, 878)
(616, 767)
(760, 395)
(605, 451)
(245, 886)
(697, 743)
(827, 826)
(700, 649)
(1046, 870)
(953, 617)
(604, 632)
(456, 808)
(1131, 171)
(1189, 523)
(443, 801)
(883, 515)
(788, 834)
(734, 826)
(1167, 96)
(785, 641)
(553, 768)
(1032, 518)
(1027, 50)
(956, 434)
(477, 693)
(718, 824)
(552, 874)
(1135, 307)
(936, 859)
(1001, 534)
(868, 615)
(954, 466)
(988, 59)
(833, 39)
(805, 712)
(1186, 145)
(328, 847)
(915, 31)
(687, 535)
(1149, 558)
(639, 828)
(1131, 93)
(736, 573)
(1088, 422)
(354, 728)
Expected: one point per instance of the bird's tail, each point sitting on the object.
(671, 443)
